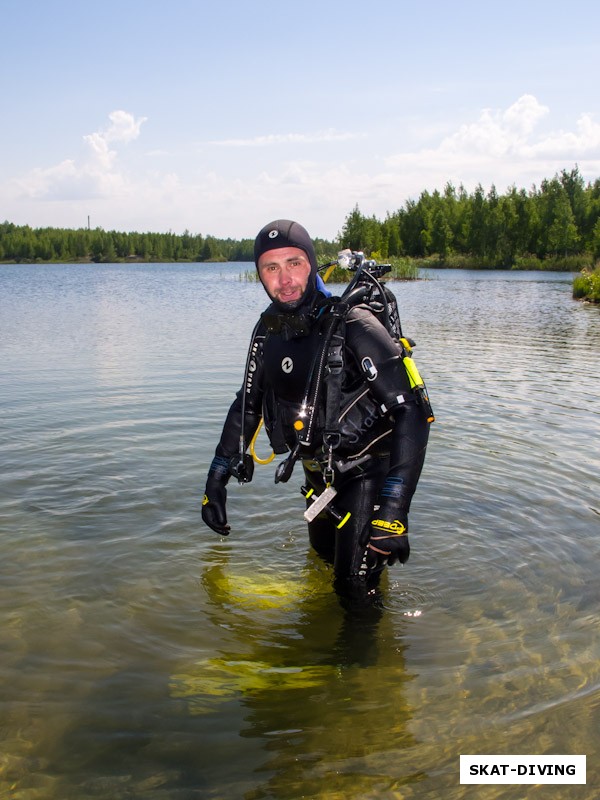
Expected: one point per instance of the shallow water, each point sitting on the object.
(145, 657)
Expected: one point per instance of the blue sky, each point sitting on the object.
(217, 117)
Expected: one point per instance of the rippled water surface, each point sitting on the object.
(144, 657)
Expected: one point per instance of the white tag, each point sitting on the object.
(320, 503)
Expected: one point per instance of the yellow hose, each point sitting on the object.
(252, 448)
(327, 274)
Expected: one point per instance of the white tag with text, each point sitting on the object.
(522, 769)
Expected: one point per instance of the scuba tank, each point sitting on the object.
(383, 304)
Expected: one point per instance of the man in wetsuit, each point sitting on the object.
(354, 422)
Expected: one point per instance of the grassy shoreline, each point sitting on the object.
(586, 286)
(402, 266)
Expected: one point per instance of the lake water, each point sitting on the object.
(144, 657)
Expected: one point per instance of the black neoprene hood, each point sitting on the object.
(285, 233)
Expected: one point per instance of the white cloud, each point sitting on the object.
(237, 193)
(585, 141)
(496, 134)
(329, 135)
(502, 147)
(95, 174)
(123, 128)
(523, 116)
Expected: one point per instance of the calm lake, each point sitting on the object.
(143, 657)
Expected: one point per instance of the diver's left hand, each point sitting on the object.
(388, 541)
(214, 506)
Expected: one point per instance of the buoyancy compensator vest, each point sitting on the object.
(313, 399)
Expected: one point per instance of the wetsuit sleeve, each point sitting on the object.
(249, 408)
(386, 536)
(380, 359)
(407, 454)
(228, 445)
(243, 415)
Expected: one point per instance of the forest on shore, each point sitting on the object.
(553, 226)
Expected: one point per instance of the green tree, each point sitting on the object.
(210, 249)
(477, 228)
(441, 233)
(563, 237)
(574, 186)
(595, 240)
(437, 214)
(353, 231)
(391, 237)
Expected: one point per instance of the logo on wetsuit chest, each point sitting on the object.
(287, 365)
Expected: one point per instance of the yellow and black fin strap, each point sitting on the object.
(205, 500)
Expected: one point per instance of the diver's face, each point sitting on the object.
(284, 273)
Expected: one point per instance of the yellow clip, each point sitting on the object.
(343, 521)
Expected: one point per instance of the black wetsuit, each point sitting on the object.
(382, 428)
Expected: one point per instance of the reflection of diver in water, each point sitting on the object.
(318, 702)
(299, 604)
(334, 380)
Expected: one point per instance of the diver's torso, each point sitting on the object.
(287, 364)
(288, 368)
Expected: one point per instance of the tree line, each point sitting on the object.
(555, 226)
(25, 244)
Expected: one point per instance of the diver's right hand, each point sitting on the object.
(214, 506)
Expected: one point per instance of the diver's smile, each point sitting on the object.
(284, 273)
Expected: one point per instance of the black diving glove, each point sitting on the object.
(387, 539)
(214, 502)
(386, 536)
